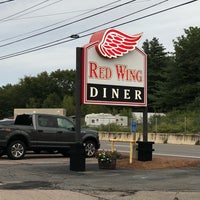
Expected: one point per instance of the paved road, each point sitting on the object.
(187, 151)
(44, 172)
(45, 177)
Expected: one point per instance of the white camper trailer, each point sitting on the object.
(97, 119)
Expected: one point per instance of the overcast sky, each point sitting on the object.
(20, 19)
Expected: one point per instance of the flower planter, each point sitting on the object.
(107, 164)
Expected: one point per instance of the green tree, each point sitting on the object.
(126, 112)
(87, 109)
(44, 90)
(156, 66)
(10, 97)
(52, 101)
(186, 79)
(69, 105)
(36, 87)
(32, 103)
(64, 81)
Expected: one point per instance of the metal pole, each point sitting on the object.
(78, 94)
(77, 154)
(145, 124)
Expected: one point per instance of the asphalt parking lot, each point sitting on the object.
(51, 173)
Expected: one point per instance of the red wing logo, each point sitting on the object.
(113, 43)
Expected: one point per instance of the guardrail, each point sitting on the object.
(170, 138)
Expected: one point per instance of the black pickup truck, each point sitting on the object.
(38, 132)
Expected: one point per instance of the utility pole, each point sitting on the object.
(77, 155)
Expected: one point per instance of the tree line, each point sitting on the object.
(173, 82)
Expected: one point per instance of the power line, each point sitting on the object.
(34, 10)
(128, 15)
(3, 19)
(87, 12)
(61, 26)
(173, 7)
(62, 40)
(59, 13)
(50, 15)
(68, 39)
(6, 1)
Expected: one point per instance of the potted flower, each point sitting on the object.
(107, 159)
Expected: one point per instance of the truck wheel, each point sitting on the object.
(16, 150)
(90, 148)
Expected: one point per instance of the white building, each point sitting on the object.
(96, 119)
(53, 111)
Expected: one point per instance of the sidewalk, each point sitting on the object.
(42, 195)
(64, 195)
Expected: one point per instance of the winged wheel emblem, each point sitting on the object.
(113, 43)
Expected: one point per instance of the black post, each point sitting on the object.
(145, 124)
(77, 154)
(78, 94)
(145, 148)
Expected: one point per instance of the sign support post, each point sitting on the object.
(145, 124)
(78, 93)
(77, 154)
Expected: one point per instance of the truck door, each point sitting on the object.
(65, 131)
(46, 130)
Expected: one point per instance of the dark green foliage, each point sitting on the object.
(156, 66)
(44, 91)
(187, 71)
(176, 122)
(174, 79)
(113, 128)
